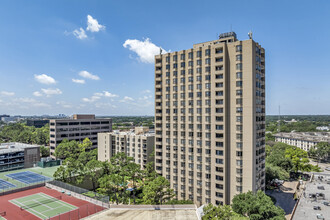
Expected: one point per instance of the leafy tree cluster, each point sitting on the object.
(281, 159)
(129, 122)
(321, 151)
(19, 132)
(120, 178)
(254, 206)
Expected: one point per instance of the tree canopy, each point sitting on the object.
(19, 132)
(257, 206)
(321, 151)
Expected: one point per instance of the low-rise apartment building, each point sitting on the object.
(303, 140)
(78, 128)
(137, 143)
(17, 155)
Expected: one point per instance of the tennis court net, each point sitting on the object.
(41, 202)
(3, 213)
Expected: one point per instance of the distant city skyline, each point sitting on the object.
(68, 57)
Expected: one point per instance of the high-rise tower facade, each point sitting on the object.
(210, 119)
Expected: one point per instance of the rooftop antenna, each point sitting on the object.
(250, 34)
(160, 51)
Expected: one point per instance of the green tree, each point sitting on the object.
(275, 172)
(321, 151)
(134, 173)
(220, 212)
(298, 157)
(44, 151)
(68, 149)
(61, 174)
(92, 171)
(257, 206)
(157, 191)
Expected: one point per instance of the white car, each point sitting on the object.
(319, 216)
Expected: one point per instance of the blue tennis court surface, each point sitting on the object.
(5, 185)
(28, 177)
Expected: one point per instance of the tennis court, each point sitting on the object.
(5, 185)
(28, 177)
(43, 205)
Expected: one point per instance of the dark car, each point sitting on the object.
(316, 207)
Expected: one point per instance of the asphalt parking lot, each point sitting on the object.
(305, 208)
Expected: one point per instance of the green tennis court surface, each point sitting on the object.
(42, 205)
(1, 218)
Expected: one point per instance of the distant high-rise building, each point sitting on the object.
(78, 128)
(138, 144)
(210, 119)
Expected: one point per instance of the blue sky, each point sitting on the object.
(45, 45)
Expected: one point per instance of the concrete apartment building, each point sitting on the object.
(303, 140)
(15, 156)
(210, 119)
(138, 143)
(78, 128)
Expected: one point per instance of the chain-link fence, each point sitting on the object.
(80, 193)
(9, 187)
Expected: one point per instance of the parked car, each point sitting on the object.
(320, 187)
(326, 203)
(319, 216)
(316, 207)
(277, 182)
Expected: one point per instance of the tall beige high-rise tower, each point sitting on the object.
(210, 119)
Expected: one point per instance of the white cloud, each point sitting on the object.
(80, 33)
(37, 94)
(79, 81)
(93, 25)
(88, 75)
(41, 104)
(127, 99)
(92, 99)
(26, 100)
(146, 50)
(146, 91)
(44, 79)
(110, 95)
(98, 95)
(49, 92)
(5, 93)
(64, 104)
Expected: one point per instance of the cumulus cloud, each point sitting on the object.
(88, 75)
(5, 93)
(50, 92)
(79, 81)
(80, 33)
(92, 99)
(98, 96)
(37, 94)
(145, 50)
(45, 79)
(108, 94)
(64, 104)
(93, 25)
(127, 99)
